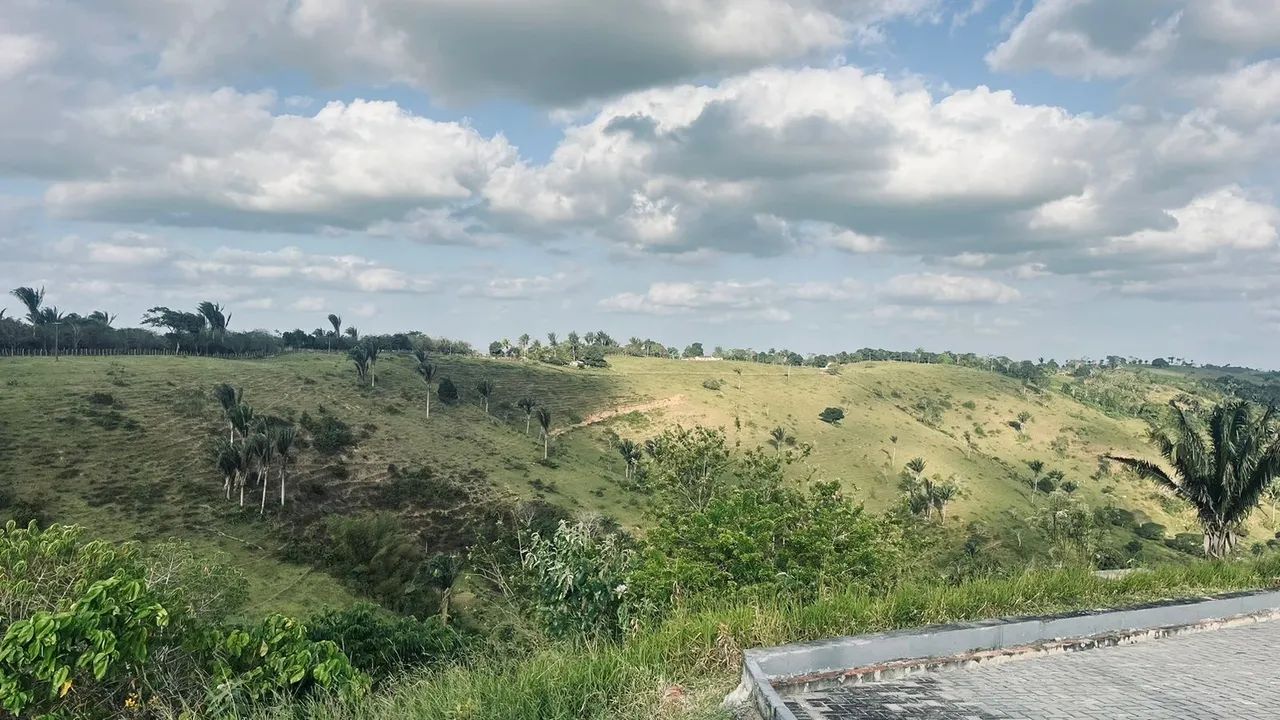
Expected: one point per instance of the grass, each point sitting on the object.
(117, 444)
(686, 665)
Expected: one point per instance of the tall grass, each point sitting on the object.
(683, 667)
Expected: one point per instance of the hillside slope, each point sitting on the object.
(119, 444)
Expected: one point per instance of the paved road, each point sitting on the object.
(1232, 673)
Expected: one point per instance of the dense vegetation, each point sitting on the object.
(569, 528)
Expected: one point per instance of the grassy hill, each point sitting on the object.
(119, 444)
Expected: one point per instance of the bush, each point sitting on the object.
(832, 415)
(377, 557)
(1189, 543)
(329, 435)
(382, 644)
(1151, 531)
(579, 581)
(447, 391)
(97, 630)
(712, 383)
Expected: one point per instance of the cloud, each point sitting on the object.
(292, 265)
(944, 289)
(525, 288)
(721, 300)
(548, 52)
(308, 303)
(1225, 219)
(1099, 38)
(224, 159)
(754, 163)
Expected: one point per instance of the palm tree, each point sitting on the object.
(336, 322)
(428, 373)
(942, 495)
(266, 453)
(101, 317)
(229, 398)
(485, 388)
(544, 420)
(1223, 474)
(227, 457)
(919, 483)
(777, 437)
(242, 419)
(250, 459)
(284, 437)
(630, 452)
(371, 357)
(524, 344)
(527, 404)
(32, 298)
(361, 359)
(353, 333)
(443, 572)
(213, 314)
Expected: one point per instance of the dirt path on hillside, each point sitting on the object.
(602, 415)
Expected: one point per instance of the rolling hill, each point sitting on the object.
(120, 444)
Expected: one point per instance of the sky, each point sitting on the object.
(1059, 178)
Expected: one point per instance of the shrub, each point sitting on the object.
(96, 629)
(101, 398)
(831, 415)
(329, 435)
(1151, 531)
(1046, 485)
(1189, 543)
(447, 391)
(382, 644)
(377, 557)
(579, 580)
(713, 383)
(969, 405)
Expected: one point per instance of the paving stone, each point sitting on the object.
(1233, 673)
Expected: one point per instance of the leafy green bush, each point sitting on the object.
(1151, 531)
(578, 578)
(1189, 543)
(329, 435)
(447, 391)
(832, 415)
(712, 383)
(92, 629)
(382, 644)
(378, 557)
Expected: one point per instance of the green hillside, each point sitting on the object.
(120, 444)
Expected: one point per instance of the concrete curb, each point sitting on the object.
(827, 663)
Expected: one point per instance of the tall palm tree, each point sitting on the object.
(251, 451)
(485, 388)
(352, 333)
(336, 322)
(284, 437)
(630, 452)
(213, 314)
(229, 398)
(527, 404)
(227, 457)
(544, 421)
(371, 357)
(31, 298)
(1221, 473)
(242, 418)
(101, 317)
(428, 373)
(266, 453)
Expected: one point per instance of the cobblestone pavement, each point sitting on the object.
(1230, 673)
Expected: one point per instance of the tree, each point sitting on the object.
(1223, 473)
(427, 371)
(226, 456)
(524, 343)
(31, 298)
(544, 421)
(353, 333)
(527, 404)
(1037, 467)
(442, 573)
(831, 415)
(447, 391)
(777, 437)
(694, 350)
(941, 495)
(284, 437)
(266, 453)
(251, 452)
(177, 321)
(575, 343)
(371, 355)
(485, 388)
(630, 452)
(361, 360)
(229, 398)
(336, 322)
(495, 349)
(214, 316)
